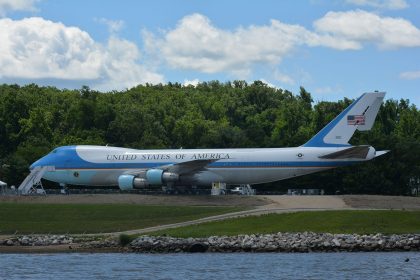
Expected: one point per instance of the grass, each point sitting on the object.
(362, 222)
(26, 218)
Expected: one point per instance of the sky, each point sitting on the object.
(335, 48)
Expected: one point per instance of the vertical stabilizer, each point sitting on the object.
(359, 115)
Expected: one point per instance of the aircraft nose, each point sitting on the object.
(35, 164)
(44, 161)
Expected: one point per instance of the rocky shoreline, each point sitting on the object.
(38, 240)
(279, 242)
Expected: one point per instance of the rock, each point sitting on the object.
(24, 242)
(336, 242)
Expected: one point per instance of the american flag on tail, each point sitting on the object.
(356, 119)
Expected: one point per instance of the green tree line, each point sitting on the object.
(35, 119)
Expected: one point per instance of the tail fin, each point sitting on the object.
(359, 115)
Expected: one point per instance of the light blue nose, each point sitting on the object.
(44, 161)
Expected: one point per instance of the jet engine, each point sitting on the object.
(150, 177)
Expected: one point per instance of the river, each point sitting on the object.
(393, 265)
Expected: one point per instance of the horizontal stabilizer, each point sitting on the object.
(357, 152)
(380, 153)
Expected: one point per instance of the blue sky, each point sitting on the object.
(332, 48)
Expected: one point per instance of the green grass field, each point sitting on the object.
(26, 218)
(362, 222)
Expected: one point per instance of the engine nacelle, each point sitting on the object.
(129, 182)
(371, 153)
(152, 177)
(159, 177)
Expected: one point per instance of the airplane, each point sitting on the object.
(135, 169)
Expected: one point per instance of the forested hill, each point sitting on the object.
(34, 120)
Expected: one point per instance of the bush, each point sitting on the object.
(125, 239)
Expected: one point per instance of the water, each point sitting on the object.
(211, 266)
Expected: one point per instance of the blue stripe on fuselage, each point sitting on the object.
(215, 164)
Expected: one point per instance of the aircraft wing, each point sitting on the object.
(357, 152)
(179, 168)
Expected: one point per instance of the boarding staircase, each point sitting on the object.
(32, 183)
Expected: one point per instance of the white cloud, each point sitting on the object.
(362, 27)
(196, 44)
(381, 4)
(16, 5)
(410, 75)
(284, 78)
(113, 25)
(193, 83)
(121, 68)
(328, 90)
(34, 48)
(265, 82)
